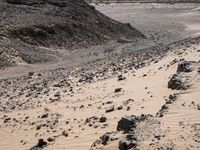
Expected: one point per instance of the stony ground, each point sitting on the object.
(72, 109)
(138, 99)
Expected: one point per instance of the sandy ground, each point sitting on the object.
(146, 93)
(51, 101)
(160, 22)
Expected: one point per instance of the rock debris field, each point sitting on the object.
(119, 85)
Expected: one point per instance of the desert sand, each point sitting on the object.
(78, 105)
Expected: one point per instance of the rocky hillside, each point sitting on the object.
(28, 25)
(143, 1)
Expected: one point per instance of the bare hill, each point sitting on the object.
(28, 25)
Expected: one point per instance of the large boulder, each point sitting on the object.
(175, 83)
(126, 123)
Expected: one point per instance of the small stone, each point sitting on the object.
(128, 108)
(120, 78)
(144, 75)
(45, 115)
(50, 139)
(64, 133)
(118, 90)
(105, 138)
(57, 94)
(31, 73)
(109, 108)
(102, 119)
(113, 137)
(157, 136)
(120, 107)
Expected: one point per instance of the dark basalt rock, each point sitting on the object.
(41, 144)
(129, 142)
(126, 123)
(120, 78)
(184, 67)
(175, 83)
(102, 119)
(105, 138)
(45, 115)
(118, 90)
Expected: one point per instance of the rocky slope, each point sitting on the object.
(86, 107)
(143, 1)
(28, 25)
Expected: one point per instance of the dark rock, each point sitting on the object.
(129, 142)
(120, 78)
(144, 75)
(55, 99)
(41, 144)
(102, 119)
(38, 127)
(6, 120)
(118, 90)
(120, 107)
(86, 78)
(64, 133)
(175, 83)
(157, 136)
(184, 67)
(126, 123)
(31, 73)
(45, 115)
(198, 107)
(105, 138)
(57, 94)
(50, 139)
(128, 108)
(91, 120)
(172, 97)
